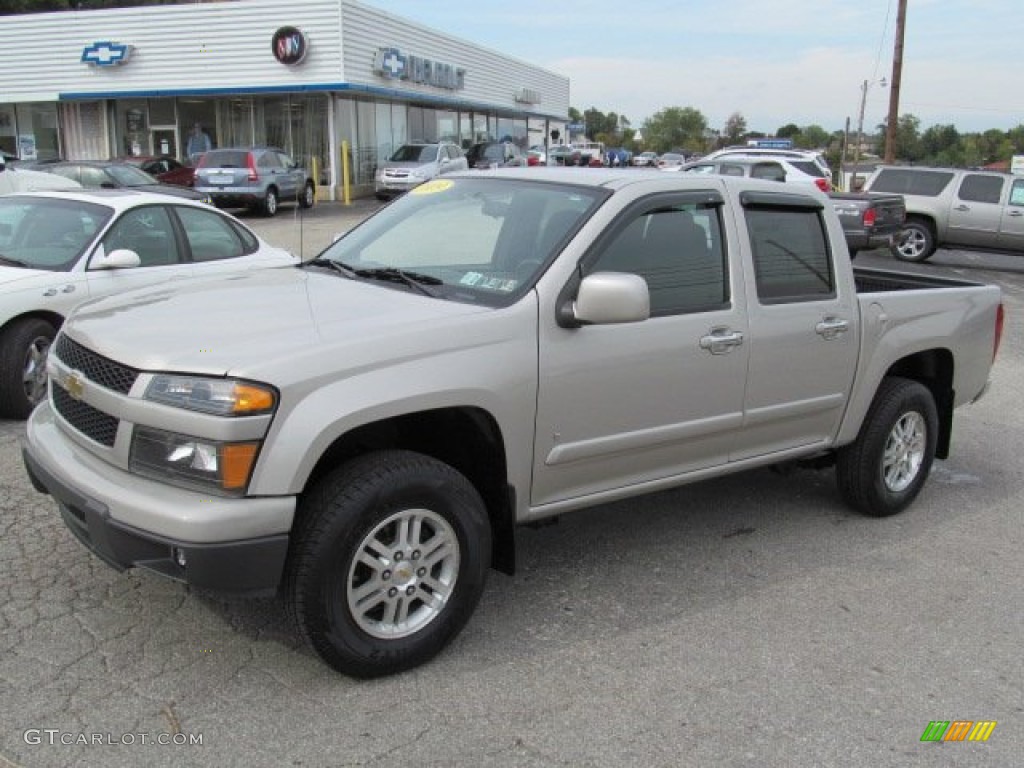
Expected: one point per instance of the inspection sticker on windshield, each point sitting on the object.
(431, 187)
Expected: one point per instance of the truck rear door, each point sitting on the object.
(803, 326)
(976, 210)
(637, 402)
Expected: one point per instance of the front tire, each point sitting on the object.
(916, 242)
(24, 346)
(388, 561)
(884, 469)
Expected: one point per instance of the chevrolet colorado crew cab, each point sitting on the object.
(981, 210)
(363, 433)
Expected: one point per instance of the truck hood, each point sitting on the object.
(256, 324)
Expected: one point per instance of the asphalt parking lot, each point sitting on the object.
(748, 621)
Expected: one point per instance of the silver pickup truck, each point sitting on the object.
(954, 207)
(363, 433)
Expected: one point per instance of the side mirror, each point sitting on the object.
(119, 258)
(605, 298)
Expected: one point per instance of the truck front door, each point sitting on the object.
(1011, 228)
(633, 403)
(804, 327)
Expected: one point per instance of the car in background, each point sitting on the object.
(646, 159)
(536, 157)
(563, 154)
(495, 154)
(671, 160)
(258, 178)
(112, 174)
(412, 164)
(802, 172)
(14, 177)
(61, 248)
(787, 154)
(164, 168)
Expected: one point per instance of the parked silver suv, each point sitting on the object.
(413, 164)
(254, 177)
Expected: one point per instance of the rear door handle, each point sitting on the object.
(721, 340)
(831, 327)
(1015, 214)
(962, 208)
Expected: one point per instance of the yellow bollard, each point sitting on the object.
(345, 172)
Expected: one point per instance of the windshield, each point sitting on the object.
(495, 152)
(415, 153)
(130, 176)
(482, 241)
(46, 233)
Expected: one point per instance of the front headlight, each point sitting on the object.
(221, 397)
(223, 468)
(419, 174)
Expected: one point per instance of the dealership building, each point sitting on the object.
(314, 77)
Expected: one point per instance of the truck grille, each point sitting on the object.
(97, 368)
(91, 422)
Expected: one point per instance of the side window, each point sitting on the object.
(771, 171)
(678, 251)
(979, 188)
(210, 236)
(268, 160)
(791, 257)
(94, 177)
(728, 169)
(67, 171)
(148, 232)
(1017, 192)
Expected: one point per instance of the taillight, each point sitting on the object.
(823, 184)
(1000, 317)
(253, 176)
(869, 217)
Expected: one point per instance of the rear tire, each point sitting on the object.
(308, 196)
(387, 562)
(916, 242)
(270, 202)
(884, 469)
(24, 346)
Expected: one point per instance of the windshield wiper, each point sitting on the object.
(14, 262)
(415, 280)
(337, 266)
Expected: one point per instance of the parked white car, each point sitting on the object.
(803, 172)
(61, 248)
(14, 179)
(413, 164)
(793, 155)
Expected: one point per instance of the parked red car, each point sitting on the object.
(165, 168)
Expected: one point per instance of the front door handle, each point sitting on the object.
(962, 208)
(720, 341)
(1015, 214)
(831, 327)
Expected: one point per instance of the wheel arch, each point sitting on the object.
(53, 318)
(466, 438)
(934, 369)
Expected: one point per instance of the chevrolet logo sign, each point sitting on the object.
(75, 384)
(106, 54)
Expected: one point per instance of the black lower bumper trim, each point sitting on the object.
(250, 566)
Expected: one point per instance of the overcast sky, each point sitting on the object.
(773, 61)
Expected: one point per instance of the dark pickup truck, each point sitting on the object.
(870, 220)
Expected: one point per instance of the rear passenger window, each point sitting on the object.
(791, 256)
(979, 188)
(906, 181)
(210, 236)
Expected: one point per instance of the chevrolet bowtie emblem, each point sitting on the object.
(106, 54)
(75, 385)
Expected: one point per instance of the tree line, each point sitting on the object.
(686, 129)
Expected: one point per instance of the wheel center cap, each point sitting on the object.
(404, 574)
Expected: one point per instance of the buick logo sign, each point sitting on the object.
(289, 46)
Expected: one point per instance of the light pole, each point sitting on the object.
(860, 126)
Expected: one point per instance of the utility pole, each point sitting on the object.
(894, 94)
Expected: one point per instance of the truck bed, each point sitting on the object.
(870, 280)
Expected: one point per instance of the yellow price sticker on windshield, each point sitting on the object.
(432, 187)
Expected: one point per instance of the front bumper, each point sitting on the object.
(98, 503)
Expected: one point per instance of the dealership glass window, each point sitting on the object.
(368, 134)
(447, 125)
(510, 129)
(481, 128)
(235, 122)
(38, 138)
(308, 118)
(465, 130)
(271, 121)
(8, 131)
(131, 127)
